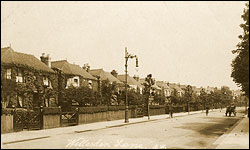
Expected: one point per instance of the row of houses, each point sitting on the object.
(28, 82)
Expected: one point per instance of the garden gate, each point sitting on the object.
(27, 119)
(70, 118)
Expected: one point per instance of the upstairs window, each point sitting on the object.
(73, 81)
(45, 81)
(76, 82)
(8, 73)
(90, 84)
(69, 81)
(19, 77)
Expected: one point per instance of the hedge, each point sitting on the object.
(7, 111)
(91, 110)
(51, 110)
(156, 106)
(116, 108)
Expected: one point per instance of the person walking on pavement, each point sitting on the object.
(207, 110)
(171, 111)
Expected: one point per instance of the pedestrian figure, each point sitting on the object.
(207, 110)
(171, 111)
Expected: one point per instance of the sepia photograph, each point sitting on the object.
(124, 74)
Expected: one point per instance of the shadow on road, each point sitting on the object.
(208, 129)
(212, 126)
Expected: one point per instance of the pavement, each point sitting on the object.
(21, 136)
(238, 138)
(240, 131)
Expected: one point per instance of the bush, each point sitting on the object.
(51, 110)
(7, 111)
(91, 110)
(156, 106)
(116, 108)
(83, 95)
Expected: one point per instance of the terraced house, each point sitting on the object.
(26, 82)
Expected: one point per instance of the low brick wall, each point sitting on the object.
(6, 123)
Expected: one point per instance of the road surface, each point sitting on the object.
(196, 131)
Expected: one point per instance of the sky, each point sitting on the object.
(186, 42)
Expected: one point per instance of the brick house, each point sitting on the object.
(72, 74)
(102, 76)
(133, 84)
(26, 82)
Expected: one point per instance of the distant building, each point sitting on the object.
(103, 75)
(178, 88)
(131, 82)
(155, 88)
(164, 86)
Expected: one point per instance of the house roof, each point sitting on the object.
(142, 81)
(9, 56)
(173, 85)
(104, 75)
(162, 84)
(131, 81)
(73, 69)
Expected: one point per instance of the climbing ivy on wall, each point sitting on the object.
(33, 82)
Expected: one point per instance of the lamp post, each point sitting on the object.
(127, 56)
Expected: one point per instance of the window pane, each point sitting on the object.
(8, 73)
(45, 81)
(20, 101)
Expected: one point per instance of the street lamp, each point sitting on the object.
(127, 56)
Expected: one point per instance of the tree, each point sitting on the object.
(159, 98)
(175, 99)
(226, 95)
(83, 95)
(188, 95)
(240, 65)
(203, 97)
(107, 91)
(146, 92)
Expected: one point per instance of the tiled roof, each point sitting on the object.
(162, 84)
(131, 81)
(142, 81)
(104, 75)
(73, 69)
(9, 56)
(173, 85)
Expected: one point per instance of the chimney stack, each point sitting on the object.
(46, 59)
(86, 67)
(136, 78)
(114, 73)
(49, 61)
